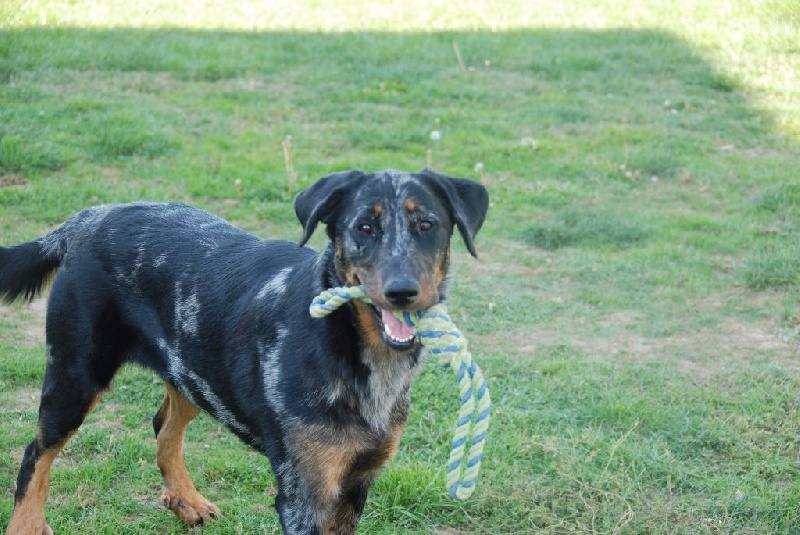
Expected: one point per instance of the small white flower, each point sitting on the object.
(436, 135)
(479, 167)
(529, 142)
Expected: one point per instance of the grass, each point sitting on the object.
(635, 305)
(572, 227)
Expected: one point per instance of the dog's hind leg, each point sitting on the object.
(63, 408)
(180, 494)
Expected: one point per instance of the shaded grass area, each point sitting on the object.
(593, 229)
(635, 304)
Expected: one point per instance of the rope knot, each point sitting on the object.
(441, 337)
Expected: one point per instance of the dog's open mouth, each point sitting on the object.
(396, 333)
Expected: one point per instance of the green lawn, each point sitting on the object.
(636, 304)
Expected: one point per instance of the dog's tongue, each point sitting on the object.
(397, 328)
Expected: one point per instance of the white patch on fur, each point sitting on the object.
(398, 241)
(389, 381)
(80, 226)
(160, 260)
(276, 286)
(131, 280)
(271, 370)
(402, 232)
(397, 177)
(187, 311)
(180, 374)
(334, 392)
(297, 513)
(176, 371)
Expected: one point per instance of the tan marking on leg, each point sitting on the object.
(324, 459)
(179, 494)
(345, 515)
(391, 445)
(386, 451)
(28, 517)
(324, 466)
(93, 404)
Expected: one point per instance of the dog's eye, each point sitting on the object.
(425, 225)
(364, 228)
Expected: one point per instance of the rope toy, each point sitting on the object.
(437, 332)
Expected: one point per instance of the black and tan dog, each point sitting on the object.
(222, 316)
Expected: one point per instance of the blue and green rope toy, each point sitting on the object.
(442, 338)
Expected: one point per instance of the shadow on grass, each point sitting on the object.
(622, 94)
(550, 113)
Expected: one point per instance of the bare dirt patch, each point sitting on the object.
(703, 353)
(13, 179)
(29, 319)
(23, 400)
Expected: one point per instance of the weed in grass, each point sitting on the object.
(122, 135)
(773, 267)
(26, 156)
(574, 227)
(7, 70)
(779, 198)
(659, 161)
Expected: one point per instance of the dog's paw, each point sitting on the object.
(26, 525)
(190, 506)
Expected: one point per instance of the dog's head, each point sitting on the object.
(391, 232)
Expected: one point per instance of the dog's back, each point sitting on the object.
(24, 269)
(142, 267)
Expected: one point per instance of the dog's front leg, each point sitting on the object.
(302, 511)
(343, 520)
(313, 480)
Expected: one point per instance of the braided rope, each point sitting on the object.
(437, 332)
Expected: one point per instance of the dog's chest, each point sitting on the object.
(387, 386)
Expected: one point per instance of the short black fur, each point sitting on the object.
(222, 316)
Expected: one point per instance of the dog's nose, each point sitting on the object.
(401, 292)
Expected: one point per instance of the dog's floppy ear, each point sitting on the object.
(318, 202)
(466, 200)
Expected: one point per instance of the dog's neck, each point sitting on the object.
(388, 374)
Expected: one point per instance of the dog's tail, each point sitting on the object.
(25, 269)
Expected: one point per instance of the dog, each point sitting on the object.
(222, 317)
